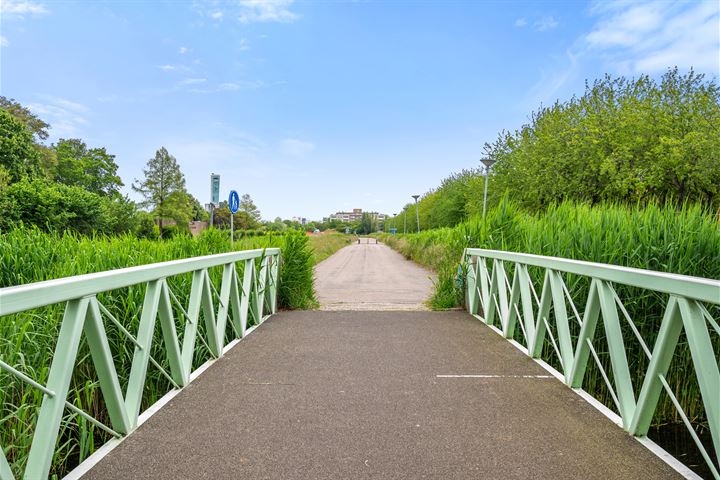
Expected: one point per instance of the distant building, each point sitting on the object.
(347, 217)
(197, 226)
(194, 226)
(356, 215)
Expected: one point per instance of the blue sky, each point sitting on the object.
(313, 107)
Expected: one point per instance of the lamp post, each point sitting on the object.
(395, 222)
(417, 212)
(488, 162)
(405, 221)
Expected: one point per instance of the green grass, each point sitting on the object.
(27, 340)
(325, 244)
(661, 238)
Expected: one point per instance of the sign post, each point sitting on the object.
(214, 194)
(233, 205)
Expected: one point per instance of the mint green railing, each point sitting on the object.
(238, 298)
(494, 299)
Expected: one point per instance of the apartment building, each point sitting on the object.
(356, 215)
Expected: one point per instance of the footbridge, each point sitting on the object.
(373, 385)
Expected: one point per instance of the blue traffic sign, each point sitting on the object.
(234, 201)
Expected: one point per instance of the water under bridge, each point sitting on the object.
(373, 385)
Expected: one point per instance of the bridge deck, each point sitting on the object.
(314, 395)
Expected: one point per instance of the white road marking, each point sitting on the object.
(494, 376)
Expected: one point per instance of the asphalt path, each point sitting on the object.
(369, 276)
(377, 395)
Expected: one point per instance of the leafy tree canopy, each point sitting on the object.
(35, 125)
(93, 169)
(623, 140)
(163, 188)
(18, 155)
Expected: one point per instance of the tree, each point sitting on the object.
(248, 216)
(35, 125)
(179, 207)
(221, 215)
(162, 178)
(276, 225)
(625, 140)
(18, 154)
(93, 169)
(197, 210)
(367, 224)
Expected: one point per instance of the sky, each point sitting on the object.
(317, 106)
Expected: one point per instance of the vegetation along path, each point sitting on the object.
(371, 276)
(329, 395)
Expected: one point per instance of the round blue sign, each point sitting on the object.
(234, 201)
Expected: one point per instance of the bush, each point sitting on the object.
(171, 231)
(145, 226)
(296, 273)
(58, 207)
(52, 207)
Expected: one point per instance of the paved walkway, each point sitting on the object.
(357, 395)
(371, 277)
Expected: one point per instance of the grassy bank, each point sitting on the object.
(661, 238)
(27, 340)
(325, 244)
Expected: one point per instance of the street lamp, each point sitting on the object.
(405, 221)
(488, 162)
(395, 222)
(417, 213)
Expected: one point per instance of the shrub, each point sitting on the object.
(296, 273)
(58, 207)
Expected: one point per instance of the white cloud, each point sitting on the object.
(65, 116)
(629, 38)
(67, 104)
(654, 35)
(266, 11)
(239, 85)
(18, 9)
(3, 41)
(295, 147)
(169, 67)
(192, 81)
(545, 23)
(520, 22)
(244, 46)
(626, 27)
(183, 50)
(562, 70)
(229, 87)
(247, 11)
